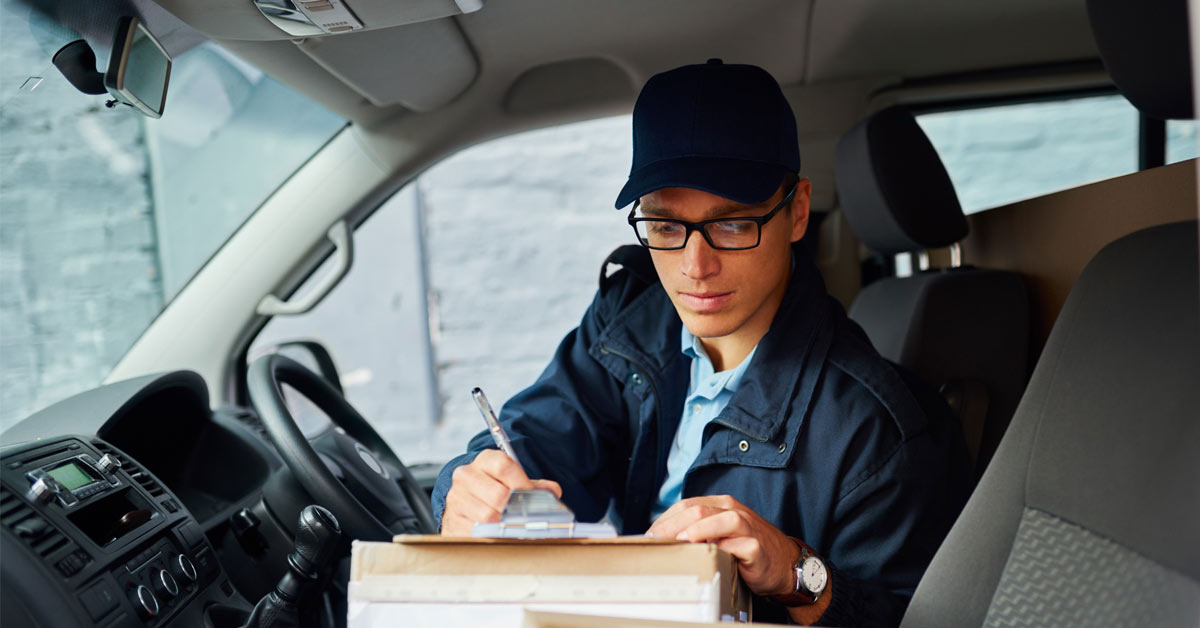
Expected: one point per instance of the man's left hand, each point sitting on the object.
(765, 554)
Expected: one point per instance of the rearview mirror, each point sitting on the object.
(138, 68)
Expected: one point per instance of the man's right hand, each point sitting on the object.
(479, 491)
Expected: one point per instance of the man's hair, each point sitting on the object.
(790, 179)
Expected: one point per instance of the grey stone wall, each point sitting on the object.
(78, 270)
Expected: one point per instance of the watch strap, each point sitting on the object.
(799, 595)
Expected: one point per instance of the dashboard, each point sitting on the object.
(135, 505)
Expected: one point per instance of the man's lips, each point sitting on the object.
(705, 301)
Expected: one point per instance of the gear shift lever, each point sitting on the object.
(316, 542)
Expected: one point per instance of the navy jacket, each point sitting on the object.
(823, 438)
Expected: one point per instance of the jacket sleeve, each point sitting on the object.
(889, 524)
(569, 426)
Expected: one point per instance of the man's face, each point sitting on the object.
(727, 294)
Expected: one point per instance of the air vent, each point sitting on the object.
(27, 525)
(135, 471)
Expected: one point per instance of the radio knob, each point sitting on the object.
(165, 585)
(144, 601)
(184, 568)
(108, 463)
(42, 491)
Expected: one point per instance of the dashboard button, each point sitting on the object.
(42, 491)
(165, 585)
(144, 601)
(108, 464)
(99, 600)
(184, 569)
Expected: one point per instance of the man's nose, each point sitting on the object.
(700, 261)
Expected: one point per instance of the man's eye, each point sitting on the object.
(665, 228)
(735, 227)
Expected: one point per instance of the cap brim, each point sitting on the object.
(739, 180)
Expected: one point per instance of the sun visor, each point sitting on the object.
(570, 84)
(264, 20)
(420, 66)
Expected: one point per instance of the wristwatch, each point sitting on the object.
(811, 577)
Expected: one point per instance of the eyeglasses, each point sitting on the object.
(725, 234)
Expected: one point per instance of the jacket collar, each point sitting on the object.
(772, 388)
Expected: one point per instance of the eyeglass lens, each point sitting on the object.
(726, 234)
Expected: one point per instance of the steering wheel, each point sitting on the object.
(349, 468)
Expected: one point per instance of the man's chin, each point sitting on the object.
(705, 326)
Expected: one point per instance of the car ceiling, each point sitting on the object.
(423, 79)
(403, 61)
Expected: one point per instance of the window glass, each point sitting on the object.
(104, 213)
(1181, 140)
(469, 277)
(230, 138)
(998, 155)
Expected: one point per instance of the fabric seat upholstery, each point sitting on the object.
(965, 330)
(1088, 514)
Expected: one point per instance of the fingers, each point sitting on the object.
(549, 485)
(718, 525)
(479, 491)
(498, 465)
(675, 520)
(686, 512)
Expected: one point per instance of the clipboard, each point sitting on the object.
(538, 514)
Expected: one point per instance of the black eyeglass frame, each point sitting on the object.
(699, 226)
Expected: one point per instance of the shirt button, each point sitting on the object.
(637, 379)
(782, 447)
(697, 409)
(744, 446)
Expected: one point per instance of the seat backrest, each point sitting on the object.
(964, 331)
(1089, 512)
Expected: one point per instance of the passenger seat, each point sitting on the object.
(965, 331)
(1088, 515)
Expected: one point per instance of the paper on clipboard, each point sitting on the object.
(538, 514)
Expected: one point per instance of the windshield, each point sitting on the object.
(105, 215)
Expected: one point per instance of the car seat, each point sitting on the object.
(1088, 514)
(963, 330)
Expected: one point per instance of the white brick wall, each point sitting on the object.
(517, 230)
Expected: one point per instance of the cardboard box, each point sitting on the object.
(544, 619)
(440, 582)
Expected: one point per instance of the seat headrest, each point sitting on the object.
(1144, 46)
(893, 187)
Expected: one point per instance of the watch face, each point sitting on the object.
(814, 575)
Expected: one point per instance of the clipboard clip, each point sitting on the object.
(538, 514)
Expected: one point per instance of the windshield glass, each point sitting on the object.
(105, 215)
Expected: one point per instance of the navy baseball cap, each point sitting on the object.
(723, 129)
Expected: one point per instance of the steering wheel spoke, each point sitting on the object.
(375, 497)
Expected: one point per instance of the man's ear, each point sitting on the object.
(799, 209)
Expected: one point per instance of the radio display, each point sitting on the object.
(71, 476)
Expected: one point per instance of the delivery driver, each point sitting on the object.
(714, 392)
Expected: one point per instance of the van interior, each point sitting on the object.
(1062, 325)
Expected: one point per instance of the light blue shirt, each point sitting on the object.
(708, 394)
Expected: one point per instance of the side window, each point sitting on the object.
(1181, 140)
(1002, 154)
(469, 276)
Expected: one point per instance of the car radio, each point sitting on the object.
(73, 479)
